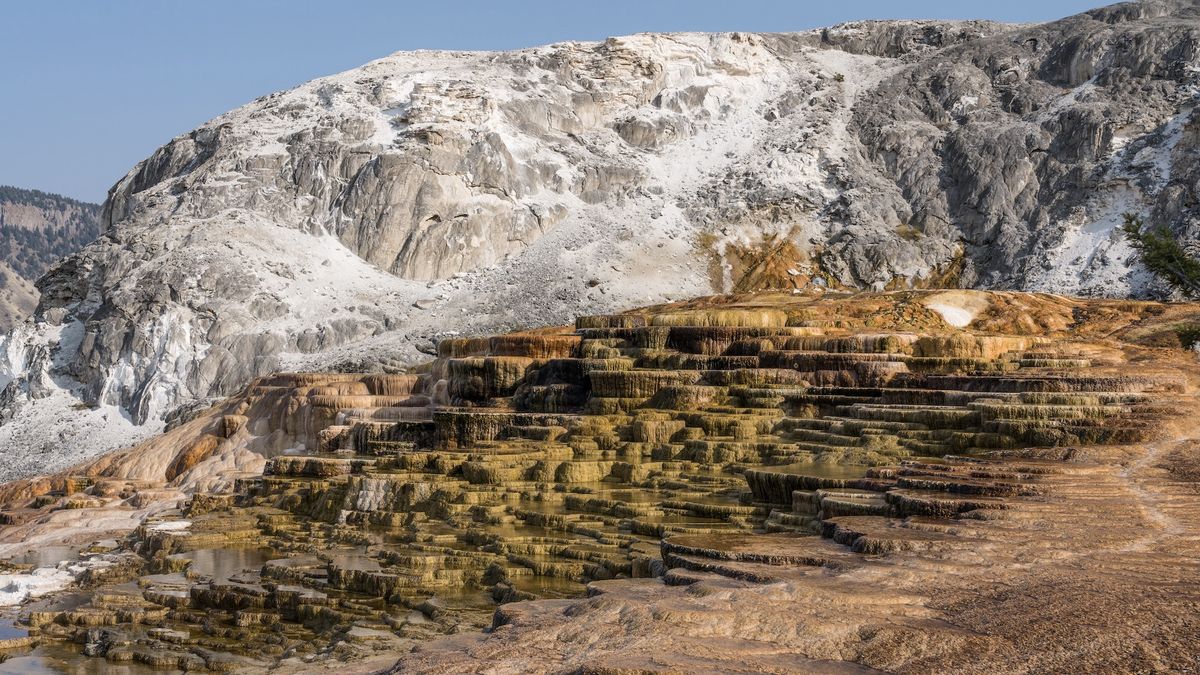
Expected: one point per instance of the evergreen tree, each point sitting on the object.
(1162, 255)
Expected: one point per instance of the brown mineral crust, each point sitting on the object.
(753, 483)
(1097, 573)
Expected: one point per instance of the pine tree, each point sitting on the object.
(1163, 255)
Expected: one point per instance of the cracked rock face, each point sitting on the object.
(356, 218)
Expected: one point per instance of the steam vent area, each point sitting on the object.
(908, 481)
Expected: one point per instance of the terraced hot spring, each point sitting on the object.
(529, 465)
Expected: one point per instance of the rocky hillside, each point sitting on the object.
(36, 230)
(352, 219)
(18, 297)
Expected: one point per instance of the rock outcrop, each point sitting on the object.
(350, 221)
(837, 482)
(18, 297)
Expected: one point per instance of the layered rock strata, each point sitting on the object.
(677, 466)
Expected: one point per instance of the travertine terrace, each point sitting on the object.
(356, 219)
(911, 481)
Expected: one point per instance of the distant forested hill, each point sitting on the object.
(37, 228)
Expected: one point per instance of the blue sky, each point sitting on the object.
(90, 88)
